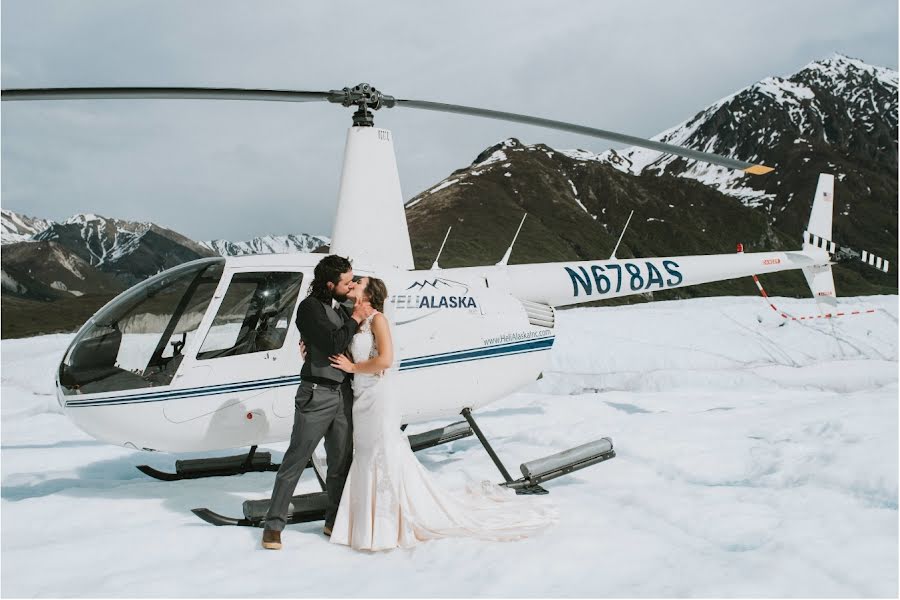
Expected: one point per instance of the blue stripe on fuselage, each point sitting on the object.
(418, 362)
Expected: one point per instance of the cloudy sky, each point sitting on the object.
(235, 170)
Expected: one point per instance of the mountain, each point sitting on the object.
(839, 106)
(47, 270)
(130, 251)
(270, 244)
(18, 228)
(55, 275)
(837, 115)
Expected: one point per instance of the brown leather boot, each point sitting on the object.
(271, 539)
(327, 530)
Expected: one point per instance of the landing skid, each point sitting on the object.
(252, 462)
(306, 508)
(258, 462)
(550, 467)
(311, 507)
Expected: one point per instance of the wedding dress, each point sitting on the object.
(390, 500)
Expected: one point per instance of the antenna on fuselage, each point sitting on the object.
(435, 264)
(505, 258)
(624, 229)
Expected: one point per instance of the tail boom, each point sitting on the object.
(571, 283)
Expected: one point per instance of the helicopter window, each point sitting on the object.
(254, 315)
(136, 340)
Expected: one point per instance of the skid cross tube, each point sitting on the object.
(249, 461)
(467, 414)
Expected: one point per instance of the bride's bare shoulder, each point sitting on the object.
(380, 321)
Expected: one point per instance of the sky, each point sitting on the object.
(235, 170)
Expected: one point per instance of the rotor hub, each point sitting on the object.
(365, 97)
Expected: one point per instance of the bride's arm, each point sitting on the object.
(385, 357)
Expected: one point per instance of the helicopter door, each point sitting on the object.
(247, 343)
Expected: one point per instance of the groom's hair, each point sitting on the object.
(330, 269)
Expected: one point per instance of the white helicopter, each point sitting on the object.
(204, 356)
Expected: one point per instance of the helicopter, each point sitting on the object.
(204, 356)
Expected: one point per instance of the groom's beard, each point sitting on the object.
(341, 298)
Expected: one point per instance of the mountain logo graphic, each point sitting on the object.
(440, 285)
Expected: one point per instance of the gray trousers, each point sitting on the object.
(318, 412)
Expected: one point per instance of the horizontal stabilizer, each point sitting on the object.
(843, 253)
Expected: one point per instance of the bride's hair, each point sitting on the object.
(377, 293)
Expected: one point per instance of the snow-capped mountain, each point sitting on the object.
(89, 254)
(130, 250)
(837, 105)
(270, 244)
(15, 227)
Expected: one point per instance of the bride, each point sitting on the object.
(390, 499)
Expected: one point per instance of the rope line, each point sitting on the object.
(789, 317)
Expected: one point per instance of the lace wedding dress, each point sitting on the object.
(390, 500)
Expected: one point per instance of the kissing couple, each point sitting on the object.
(379, 495)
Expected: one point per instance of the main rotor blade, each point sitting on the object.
(598, 133)
(179, 93)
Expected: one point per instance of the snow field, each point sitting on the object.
(755, 457)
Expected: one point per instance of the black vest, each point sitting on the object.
(317, 365)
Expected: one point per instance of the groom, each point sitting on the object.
(323, 404)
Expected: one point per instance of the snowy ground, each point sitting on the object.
(755, 458)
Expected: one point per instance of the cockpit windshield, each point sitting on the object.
(136, 340)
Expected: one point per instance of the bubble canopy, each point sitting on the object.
(136, 340)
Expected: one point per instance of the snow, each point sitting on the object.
(495, 157)
(11, 284)
(68, 261)
(838, 66)
(582, 155)
(442, 186)
(784, 91)
(755, 458)
(15, 227)
(269, 244)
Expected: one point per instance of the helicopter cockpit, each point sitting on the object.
(138, 339)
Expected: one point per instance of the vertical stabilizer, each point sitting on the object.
(819, 277)
(370, 224)
(822, 208)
